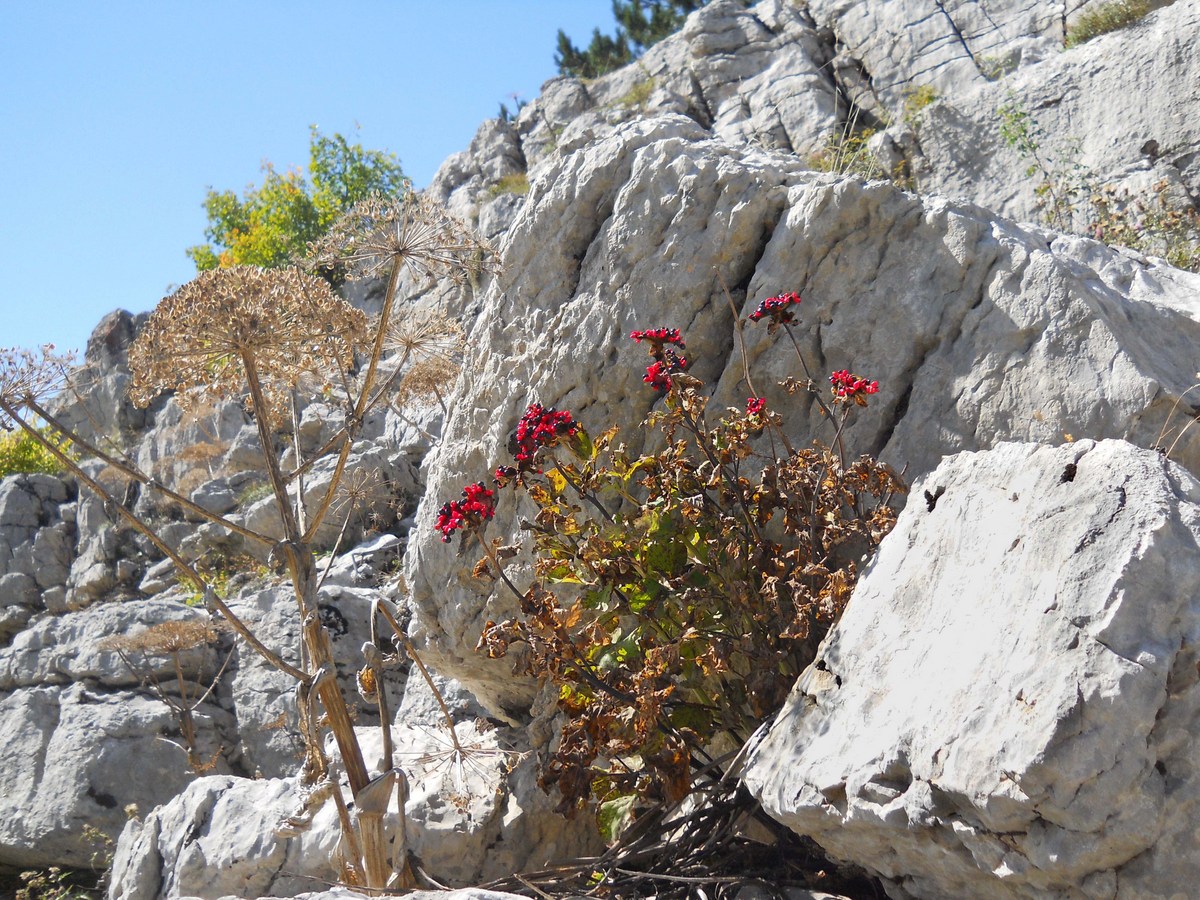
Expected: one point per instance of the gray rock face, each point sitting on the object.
(977, 329)
(1008, 706)
(1088, 133)
(77, 755)
(37, 547)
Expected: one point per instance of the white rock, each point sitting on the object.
(77, 755)
(1009, 706)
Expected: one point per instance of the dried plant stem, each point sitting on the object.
(354, 853)
(416, 658)
(291, 527)
(354, 421)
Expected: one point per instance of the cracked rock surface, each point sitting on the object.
(1008, 707)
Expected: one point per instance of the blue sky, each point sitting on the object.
(115, 117)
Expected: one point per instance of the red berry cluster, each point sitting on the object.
(538, 428)
(666, 360)
(777, 309)
(503, 475)
(846, 385)
(755, 405)
(477, 506)
(658, 337)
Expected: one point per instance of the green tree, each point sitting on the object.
(20, 454)
(640, 24)
(273, 223)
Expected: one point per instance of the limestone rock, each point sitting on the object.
(465, 824)
(97, 402)
(216, 838)
(1076, 97)
(1009, 706)
(79, 755)
(59, 649)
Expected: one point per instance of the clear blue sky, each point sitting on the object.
(115, 117)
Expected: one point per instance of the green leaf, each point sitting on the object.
(615, 816)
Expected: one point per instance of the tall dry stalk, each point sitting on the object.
(256, 335)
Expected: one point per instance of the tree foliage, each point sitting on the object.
(20, 454)
(640, 24)
(272, 224)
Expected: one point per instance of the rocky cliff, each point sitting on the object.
(1006, 708)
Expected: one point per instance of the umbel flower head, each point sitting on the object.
(203, 340)
(412, 229)
(26, 375)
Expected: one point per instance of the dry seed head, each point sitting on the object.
(165, 638)
(427, 380)
(27, 375)
(198, 339)
(425, 337)
(412, 229)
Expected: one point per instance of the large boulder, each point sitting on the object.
(1009, 706)
(79, 755)
(978, 330)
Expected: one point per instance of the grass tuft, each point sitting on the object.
(1106, 17)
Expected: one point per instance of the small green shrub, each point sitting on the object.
(1106, 17)
(254, 493)
(1061, 180)
(516, 183)
(916, 99)
(638, 95)
(995, 67)
(20, 454)
(846, 153)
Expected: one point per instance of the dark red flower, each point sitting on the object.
(658, 338)
(658, 373)
(777, 309)
(755, 405)
(477, 506)
(848, 386)
(539, 427)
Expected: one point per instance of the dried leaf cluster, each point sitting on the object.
(166, 638)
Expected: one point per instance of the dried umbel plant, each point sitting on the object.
(375, 235)
(169, 639)
(166, 638)
(425, 337)
(29, 376)
(435, 345)
(244, 328)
